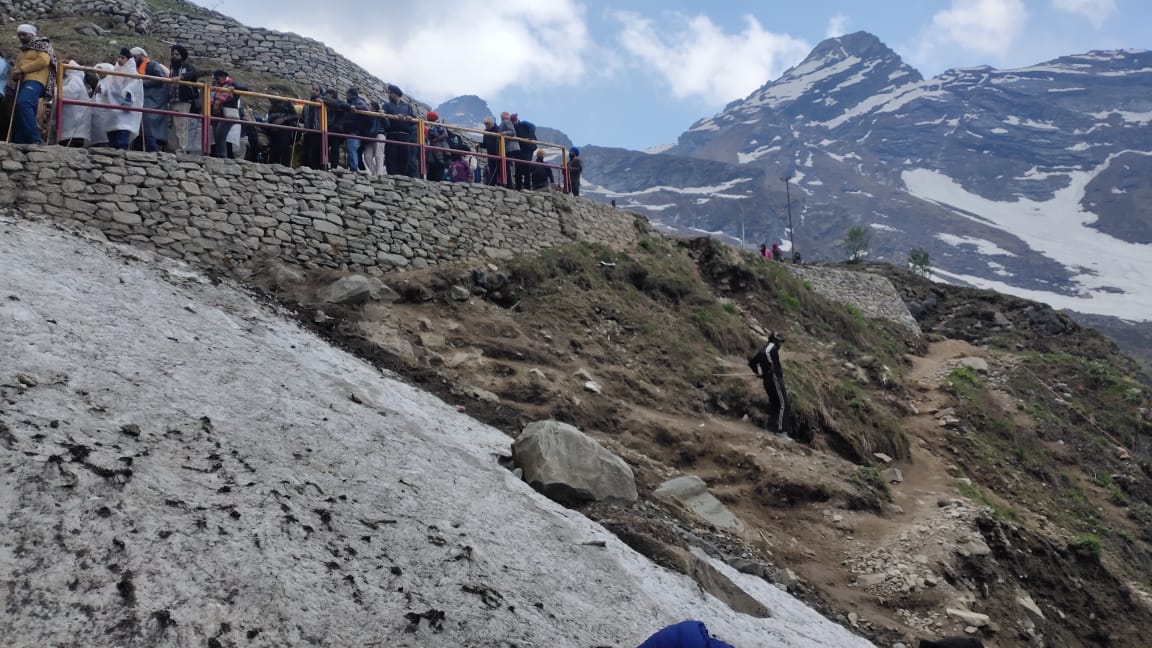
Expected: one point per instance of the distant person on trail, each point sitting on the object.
(764, 250)
(777, 253)
(575, 168)
(686, 634)
(225, 103)
(765, 363)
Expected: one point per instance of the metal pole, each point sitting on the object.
(791, 232)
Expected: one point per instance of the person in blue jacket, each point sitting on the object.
(686, 634)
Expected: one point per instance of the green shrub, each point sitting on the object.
(1086, 545)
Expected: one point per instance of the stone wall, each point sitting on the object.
(874, 296)
(227, 214)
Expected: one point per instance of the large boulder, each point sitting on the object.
(568, 466)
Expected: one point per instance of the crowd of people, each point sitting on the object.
(363, 135)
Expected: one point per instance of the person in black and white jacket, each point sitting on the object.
(765, 363)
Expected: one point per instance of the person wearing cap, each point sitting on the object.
(155, 132)
(400, 131)
(575, 168)
(35, 76)
(541, 175)
(765, 363)
(437, 137)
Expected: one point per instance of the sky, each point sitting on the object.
(637, 73)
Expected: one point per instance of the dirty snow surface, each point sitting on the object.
(181, 465)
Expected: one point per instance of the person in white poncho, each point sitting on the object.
(76, 121)
(101, 117)
(124, 125)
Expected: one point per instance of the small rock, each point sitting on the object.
(593, 386)
(459, 293)
(26, 380)
(979, 365)
(882, 457)
(969, 617)
(893, 476)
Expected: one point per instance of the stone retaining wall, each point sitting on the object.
(874, 296)
(224, 213)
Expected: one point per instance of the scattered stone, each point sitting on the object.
(882, 457)
(432, 341)
(593, 387)
(979, 365)
(692, 492)
(893, 476)
(26, 380)
(459, 293)
(1024, 600)
(971, 618)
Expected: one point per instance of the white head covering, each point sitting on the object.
(26, 29)
(137, 51)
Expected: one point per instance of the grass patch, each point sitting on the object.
(870, 478)
(978, 495)
(1086, 546)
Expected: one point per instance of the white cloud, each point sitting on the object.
(989, 27)
(696, 58)
(463, 47)
(1096, 11)
(837, 26)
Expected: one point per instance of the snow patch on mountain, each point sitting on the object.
(1110, 276)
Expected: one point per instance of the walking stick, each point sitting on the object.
(12, 115)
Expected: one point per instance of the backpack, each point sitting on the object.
(457, 142)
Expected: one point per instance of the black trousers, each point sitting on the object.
(396, 155)
(523, 169)
(777, 402)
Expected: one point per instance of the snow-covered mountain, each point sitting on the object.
(1033, 181)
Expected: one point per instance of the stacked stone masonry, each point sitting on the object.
(212, 35)
(874, 296)
(225, 214)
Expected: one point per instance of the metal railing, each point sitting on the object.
(499, 162)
